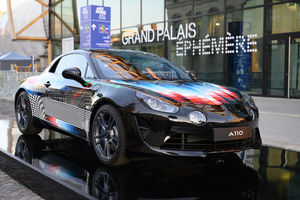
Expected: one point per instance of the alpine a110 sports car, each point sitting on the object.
(123, 102)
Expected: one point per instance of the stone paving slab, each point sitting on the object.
(12, 190)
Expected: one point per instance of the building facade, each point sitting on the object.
(253, 45)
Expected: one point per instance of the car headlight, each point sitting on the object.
(197, 117)
(247, 99)
(156, 104)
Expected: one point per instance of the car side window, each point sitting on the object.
(106, 70)
(53, 67)
(72, 60)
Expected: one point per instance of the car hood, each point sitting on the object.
(185, 92)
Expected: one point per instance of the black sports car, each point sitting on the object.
(123, 101)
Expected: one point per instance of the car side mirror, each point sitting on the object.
(74, 74)
(192, 74)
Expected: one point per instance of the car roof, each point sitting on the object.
(89, 51)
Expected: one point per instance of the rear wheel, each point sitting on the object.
(108, 136)
(26, 122)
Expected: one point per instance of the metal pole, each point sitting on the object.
(50, 33)
(32, 63)
(289, 66)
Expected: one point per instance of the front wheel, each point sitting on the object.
(26, 122)
(108, 136)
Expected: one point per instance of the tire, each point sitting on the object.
(108, 136)
(26, 123)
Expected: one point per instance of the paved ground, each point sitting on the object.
(6, 109)
(12, 190)
(280, 122)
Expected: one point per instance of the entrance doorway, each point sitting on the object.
(294, 85)
(283, 66)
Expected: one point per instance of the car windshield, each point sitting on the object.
(135, 66)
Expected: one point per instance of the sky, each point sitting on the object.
(3, 5)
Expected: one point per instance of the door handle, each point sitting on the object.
(47, 84)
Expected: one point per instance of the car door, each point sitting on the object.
(89, 93)
(64, 100)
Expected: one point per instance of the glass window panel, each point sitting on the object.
(80, 4)
(115, 12)
(208, 7)
(283, 18)
(245, 68)
(57, 49)
(115, 39)
(212, 25)
(295, 68)
(251, 21)
(276, 1)
(209, 66)
(77, 43)
(130, 13)
(154, 26)
(156, 47)
(95, 2)
(178, 9)
(150, 7)
(276, 70)
(249, 3)
(185, 62)
(237, 4)
(57, 24)
(68, 17)
(128, 33)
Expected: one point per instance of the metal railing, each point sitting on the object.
(10, 81)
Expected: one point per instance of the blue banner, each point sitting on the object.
(241, 61)
(95, 27)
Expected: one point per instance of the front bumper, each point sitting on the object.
(181, 139)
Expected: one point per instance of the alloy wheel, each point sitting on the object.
(22, 109)
(106, 137)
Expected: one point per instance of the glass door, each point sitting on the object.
(277, 68)
(283, 66)
(294, 65)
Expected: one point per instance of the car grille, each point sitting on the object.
(183, 143)
(187, 138)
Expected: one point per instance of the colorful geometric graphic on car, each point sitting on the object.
(65, 126)
(188, 92)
